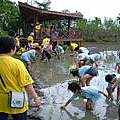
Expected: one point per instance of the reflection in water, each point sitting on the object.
(61, 68)
(57, 77)
(111, 109)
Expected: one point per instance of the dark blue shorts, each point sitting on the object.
(20, 116)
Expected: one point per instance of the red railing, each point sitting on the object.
(71, 35)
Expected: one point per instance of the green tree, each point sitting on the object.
(9, 17)
(111, 29)
(43, 5)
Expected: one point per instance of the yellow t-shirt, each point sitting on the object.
(36, 44)
(47, 29)
(37, 28)
(45, 41)
(15, 77)
(22, 49)
(74, 45)
(17, 41)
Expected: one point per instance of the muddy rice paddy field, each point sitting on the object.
(51, 81)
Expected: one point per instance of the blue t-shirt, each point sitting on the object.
(115, 79)
(59, 49)
(84, 50)
(88, 92)
(85, 57)
(94, 57)
(117, 60)
(83, 70)
(27, 55)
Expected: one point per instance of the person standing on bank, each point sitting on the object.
(17, 38)
(85, 74)
(14, 77)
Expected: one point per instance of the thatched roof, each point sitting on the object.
(29, 12)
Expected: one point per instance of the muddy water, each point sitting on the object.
(55, 76)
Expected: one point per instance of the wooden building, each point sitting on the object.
(31, 14)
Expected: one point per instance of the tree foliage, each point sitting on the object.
(95, 30)
(9, 17)
(43, 5)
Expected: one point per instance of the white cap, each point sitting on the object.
(81, 57)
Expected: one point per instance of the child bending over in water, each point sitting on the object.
(113, 87)
(111, 79)
(85, 74)
(89, 93)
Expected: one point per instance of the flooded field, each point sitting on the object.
(55, 77)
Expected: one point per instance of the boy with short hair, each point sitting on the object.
(13, 77)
